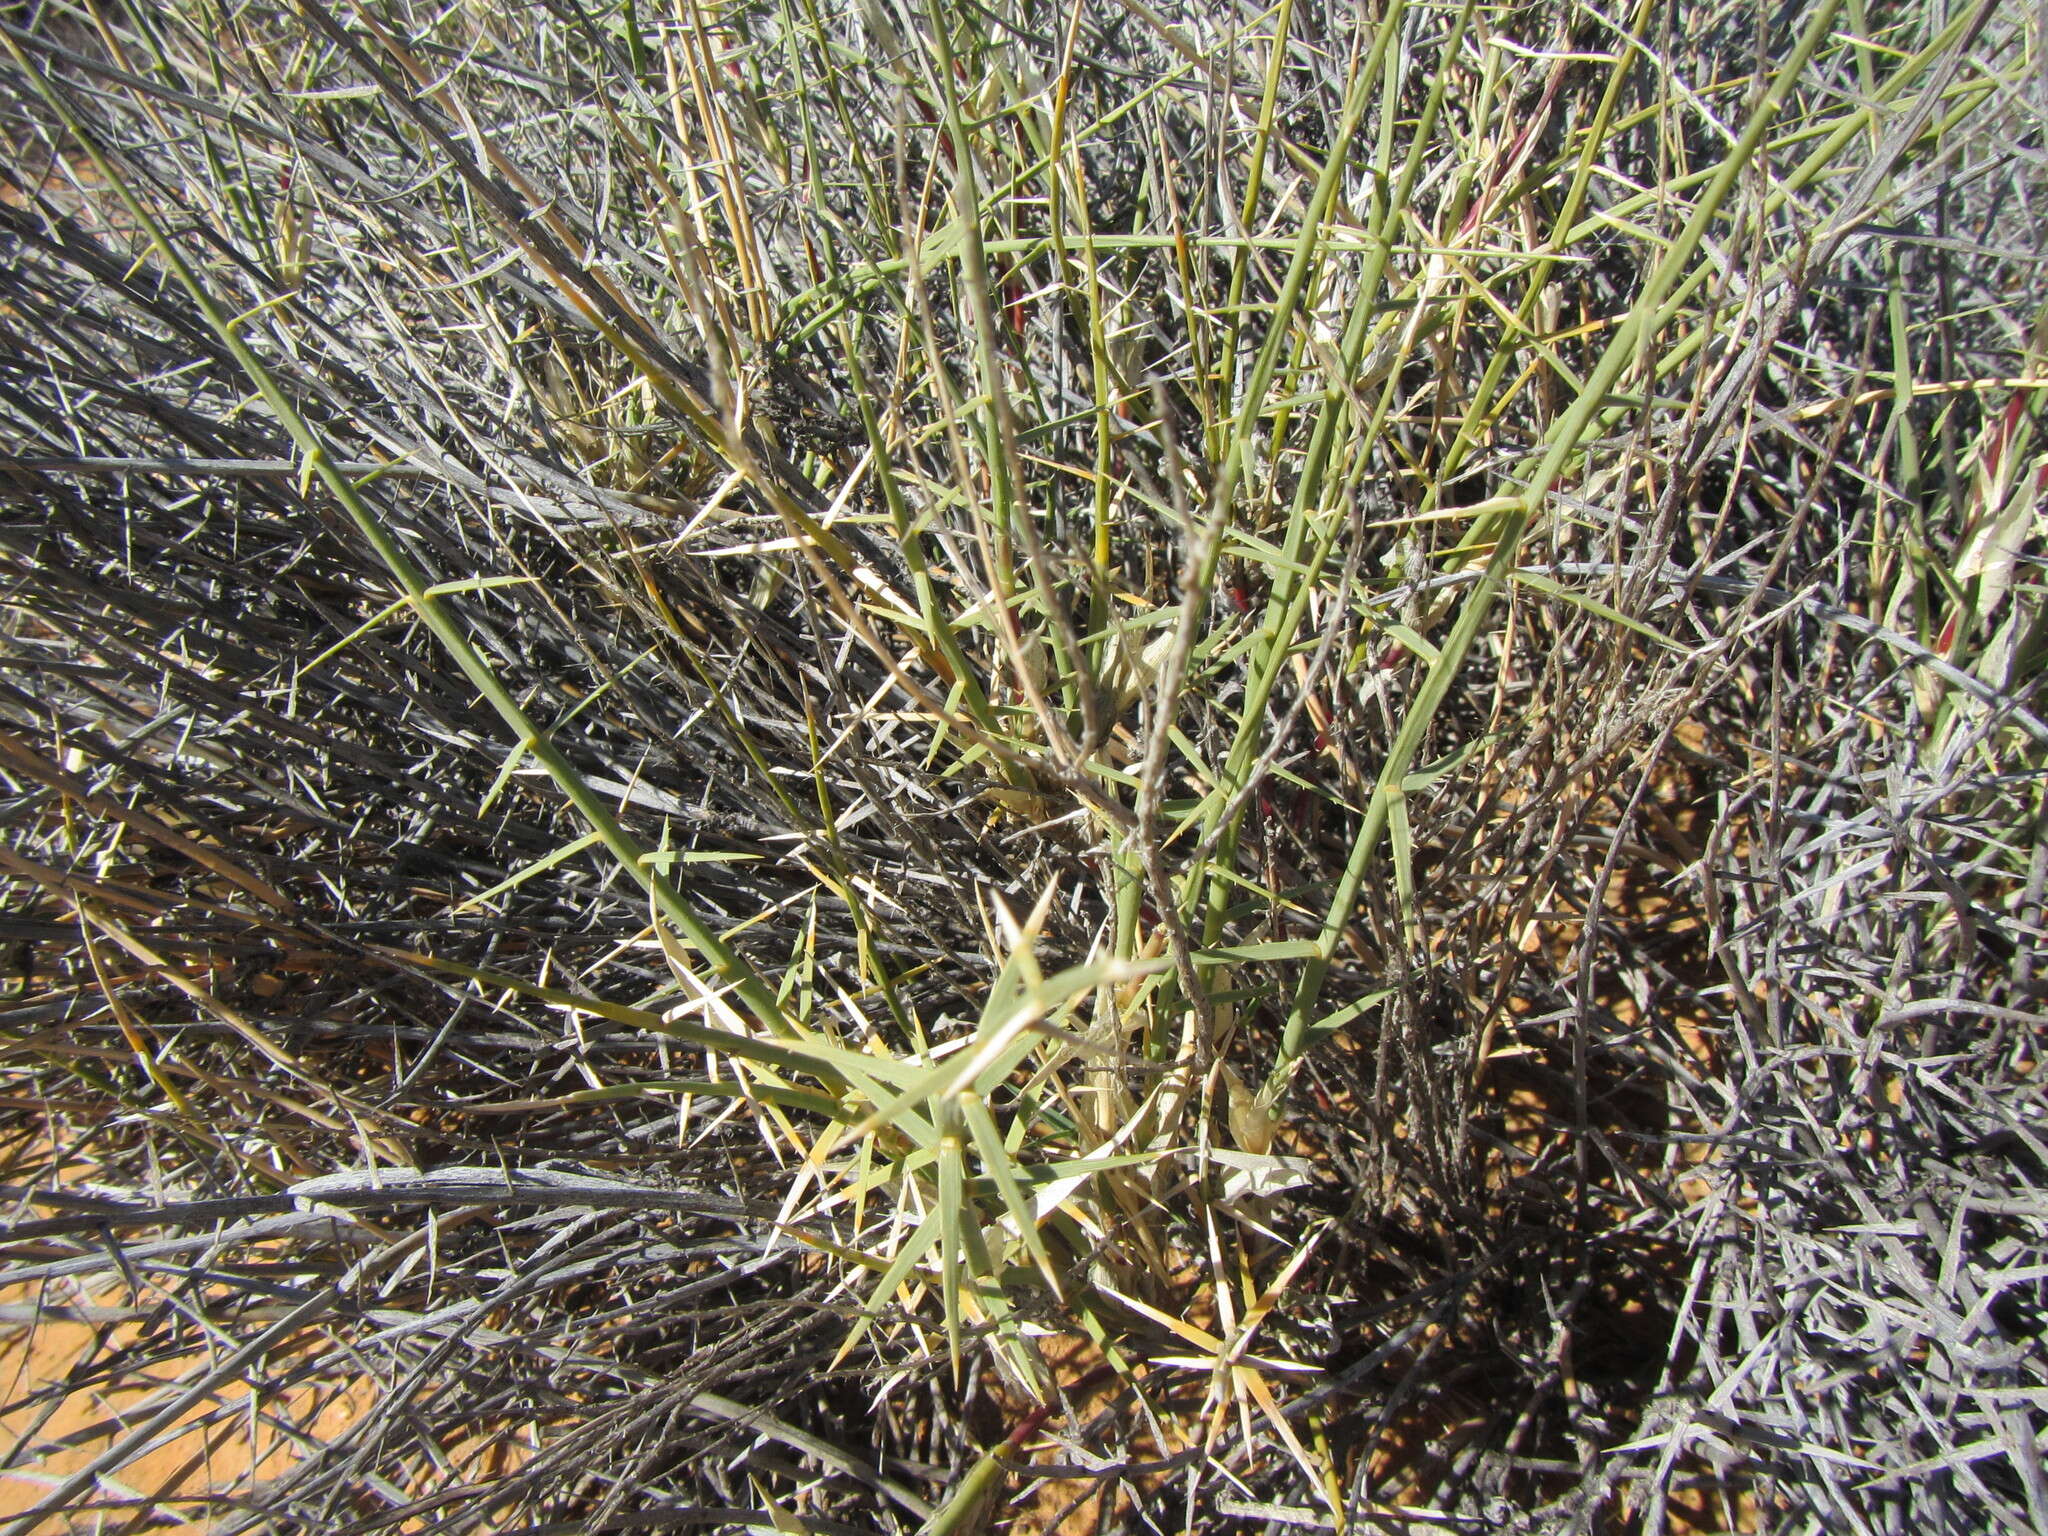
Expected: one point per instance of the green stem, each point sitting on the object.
(1640, 326)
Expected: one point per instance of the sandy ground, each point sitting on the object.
(53, 1334)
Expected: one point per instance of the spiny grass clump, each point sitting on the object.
(1111, 767)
